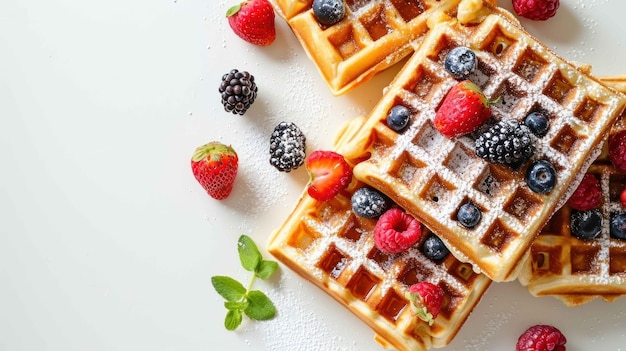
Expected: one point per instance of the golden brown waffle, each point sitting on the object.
(431, 175)
(374, 34)
(577, 271)
(327, 244)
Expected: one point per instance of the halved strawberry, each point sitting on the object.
(426, 300)
(329, 174)
(464, 109)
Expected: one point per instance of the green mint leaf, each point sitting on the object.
(228, 288)
(233, 319)
(249, 254)
(236, 305)
(265, 269)
(260, 307)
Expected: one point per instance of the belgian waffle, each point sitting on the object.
(327, 244)
(431, 175)
(577, 271)
(374, 34)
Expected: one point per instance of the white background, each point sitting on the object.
(106, 240)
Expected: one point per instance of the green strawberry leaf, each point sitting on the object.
(261, 307)
(233, 319)
(236, 305)
(228, 288)
(265, 269)
(233, 10)
(249, 254)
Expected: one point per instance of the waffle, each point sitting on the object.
(374, 34)
(431, 175)
(327, 244)
(577, 271)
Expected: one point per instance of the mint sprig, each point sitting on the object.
(239, 299)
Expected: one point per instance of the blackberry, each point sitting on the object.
(434, 248)
(368, 203)
(586, 224)
(507, 142)
(287, 147)
(460, 62)
(238, 91)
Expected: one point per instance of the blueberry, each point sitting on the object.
(468, 215)
(460, 62)
(434, 248)
(618, 226)
(398, 118)
(538, 123)
(586, 224)
(328, 12)
(541, 177)
(369, 203)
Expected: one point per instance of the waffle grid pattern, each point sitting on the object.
(432, 176)
(374, 35)
(330, 246)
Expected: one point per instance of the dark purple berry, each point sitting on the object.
(398, 118)
(618, 226)
(434, 248)
(541, 177)
(328, 12)
(460, 62)
(468, 215)
(368, 203)
(538, 123)
(586, 224)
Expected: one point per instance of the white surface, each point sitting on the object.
(106, 240)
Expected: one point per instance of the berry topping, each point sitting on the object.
(287, 147)
(507, 142)
(368, 203)
(328, 12)
(460, 62)
(538, 123)
(588, 195)
(426, 300)
(541, 338)
(329, 174)
(468, 215)
(463, 110)
(253, 21)
(586, 224)
(617, 150)
(238, 91)
(541, 177)
(538, 10)
(622, 197)
(398, 118)
(396, 231)
(618, 226)
(215, 166)
(434, 248)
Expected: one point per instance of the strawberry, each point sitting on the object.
(253, 21)
(215, 167)
(329, 174)
(426, 300)
(464, 109)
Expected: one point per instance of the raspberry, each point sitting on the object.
(426, 300)
(541, 338)
(396, 231)
(538, 10)
(588, 195)
(617, 150)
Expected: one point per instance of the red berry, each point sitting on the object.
(541, 338)
(396, 231)
(427, 299)
(253, 21)
(215, 167)
(538, 10)
(617, 150)
(622, 198)
(588, 195)
(464, 109)
(329, 173)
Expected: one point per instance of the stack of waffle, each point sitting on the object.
(431, 176)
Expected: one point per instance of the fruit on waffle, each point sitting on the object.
(487, 210)
(371, 36)
(327, 243)
(580, 254)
